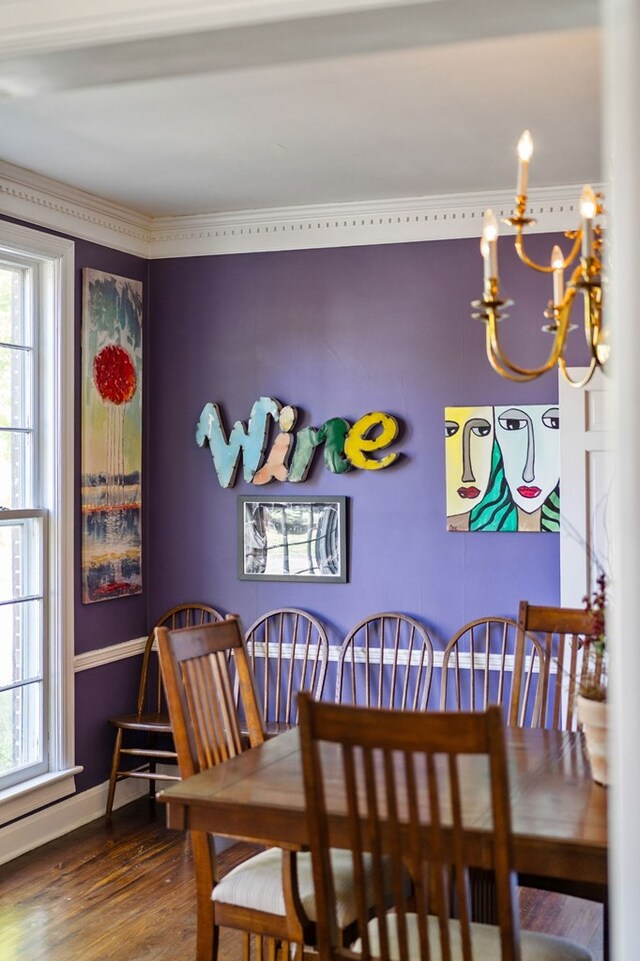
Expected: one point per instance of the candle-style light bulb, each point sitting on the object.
(588, 208)
(557, 263)
(489, 245)
(588, 202)
(525, 151)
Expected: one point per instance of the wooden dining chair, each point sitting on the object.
(271, 894)
(396, 777)
(386, 660)
(138, 735)
(288, 651)
(490, 661)
(560, 632)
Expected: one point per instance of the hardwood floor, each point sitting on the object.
(126, 893)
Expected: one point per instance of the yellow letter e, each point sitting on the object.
(356, 441)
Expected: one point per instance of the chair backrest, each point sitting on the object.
(397, 782)
(560, 631)
(386, 660)
(490, 662)
(150, 690)
(288, 650)
(202, 705)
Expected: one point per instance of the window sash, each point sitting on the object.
(47, 493)
(24, 693)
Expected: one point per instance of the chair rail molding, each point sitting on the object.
(108, 655)
(118, 652)
(38, 200)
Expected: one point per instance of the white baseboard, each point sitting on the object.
(52, 822)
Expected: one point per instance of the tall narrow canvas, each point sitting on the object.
(111, 436)
(503, 468)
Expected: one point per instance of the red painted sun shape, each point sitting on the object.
(114, 374)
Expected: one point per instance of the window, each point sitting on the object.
(36, 532)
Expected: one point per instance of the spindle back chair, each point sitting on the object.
(138, 735)
(288, 650)
(489, 661)
(386, 660)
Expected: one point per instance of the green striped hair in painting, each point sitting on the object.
(550, 519)
(496, 511)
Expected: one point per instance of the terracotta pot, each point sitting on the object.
(593, 717)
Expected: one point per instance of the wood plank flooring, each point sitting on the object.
(126, 893)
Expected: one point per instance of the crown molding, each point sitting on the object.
(37, 26)
(399, 220)
(48, 203)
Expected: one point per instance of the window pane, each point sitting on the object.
(15, 387)
(15, 470)
(20, 558)
(21, 740)
(14, 315)
(20, 643)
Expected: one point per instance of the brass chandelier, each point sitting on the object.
(585, 278)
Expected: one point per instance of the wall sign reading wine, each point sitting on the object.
(290, 454)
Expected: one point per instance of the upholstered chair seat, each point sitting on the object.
(485, 940)
(256, 884)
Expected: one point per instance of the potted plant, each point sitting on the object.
(592, 686)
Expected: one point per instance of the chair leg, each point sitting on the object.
(246, 946)
(152, 770)
(113, 776)
(207, 935)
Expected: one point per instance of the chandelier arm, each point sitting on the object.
(529, 373)
(587, 377)
(518, 242)
(504, 371)
(544, 268)
(593, 320)
(577, 243)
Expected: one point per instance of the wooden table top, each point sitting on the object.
(559, 815)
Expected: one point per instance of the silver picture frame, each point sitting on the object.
(292, 539)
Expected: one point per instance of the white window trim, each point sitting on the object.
(59, 781)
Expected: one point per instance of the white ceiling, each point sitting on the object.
(372, 100)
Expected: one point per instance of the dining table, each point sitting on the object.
(559, 814)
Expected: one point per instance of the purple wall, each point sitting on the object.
(335, 332)
(338, 332)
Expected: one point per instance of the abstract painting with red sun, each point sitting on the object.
(111, 436)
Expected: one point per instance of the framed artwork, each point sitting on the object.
(292, 539)
(503, 468)
(111, 436)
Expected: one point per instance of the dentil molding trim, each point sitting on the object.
(30, 197)
(49, 203)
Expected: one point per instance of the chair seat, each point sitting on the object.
(485, 942)
(256, 884)
(158, 723)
